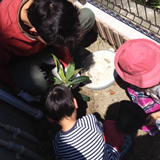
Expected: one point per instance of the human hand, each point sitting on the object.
(151, 119)
(27, 97)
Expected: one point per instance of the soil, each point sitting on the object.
(102, 102)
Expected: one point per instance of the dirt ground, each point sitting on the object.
(104, 104)
(144, 147)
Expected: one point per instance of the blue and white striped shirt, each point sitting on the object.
(84, 141)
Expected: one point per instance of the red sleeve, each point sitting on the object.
(112, 135)
(63, 54)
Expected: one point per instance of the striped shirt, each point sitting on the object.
(84, 141)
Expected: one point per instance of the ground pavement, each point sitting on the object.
(144, 146)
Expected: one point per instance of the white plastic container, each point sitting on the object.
(100, 69)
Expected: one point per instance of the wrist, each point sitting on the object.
(157, 120)
(156, 115)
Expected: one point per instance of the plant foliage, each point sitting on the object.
(151, 3)
(69, 78)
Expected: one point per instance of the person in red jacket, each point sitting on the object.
(32, 30)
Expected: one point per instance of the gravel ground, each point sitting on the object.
(144, 147)
(103, 102)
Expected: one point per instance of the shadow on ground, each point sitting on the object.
(144, 146)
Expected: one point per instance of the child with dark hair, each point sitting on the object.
(83, 138)
(65, 17)
(137, 62)
(32, 30)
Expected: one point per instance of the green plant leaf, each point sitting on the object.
(70, 70)
(56, 61)
(68, 84)
(61, 73)
(57, 80)
(85, 98)
(77, 71)
(59, 69)
(80, 79)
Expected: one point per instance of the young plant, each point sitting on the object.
(69, 78)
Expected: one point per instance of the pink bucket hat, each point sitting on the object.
(138, 62)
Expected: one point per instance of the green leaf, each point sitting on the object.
(77, 71)
(56, 61)
(59, 69)
(57, 80)
(61, 73)
(80, 79)
(85, 98)
(68, 84)
(70, 70)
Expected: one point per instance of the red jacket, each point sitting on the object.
(13, 41)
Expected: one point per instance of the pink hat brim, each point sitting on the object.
(143, 81)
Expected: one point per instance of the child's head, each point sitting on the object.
(58, 102)
(137, 62)
(131, 117)
(56, 22)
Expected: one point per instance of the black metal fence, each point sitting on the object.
(143, 15)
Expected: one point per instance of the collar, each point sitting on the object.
(20, 22)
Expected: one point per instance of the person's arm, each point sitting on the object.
(63, 54)
(151, 118)
(113, 136)
(154, 93)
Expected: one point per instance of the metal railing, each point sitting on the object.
(135, 13)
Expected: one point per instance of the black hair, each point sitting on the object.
(131, 117)
(57, 102)
(56, 21)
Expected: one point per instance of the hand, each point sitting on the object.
(27, 97)
(151, 119)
